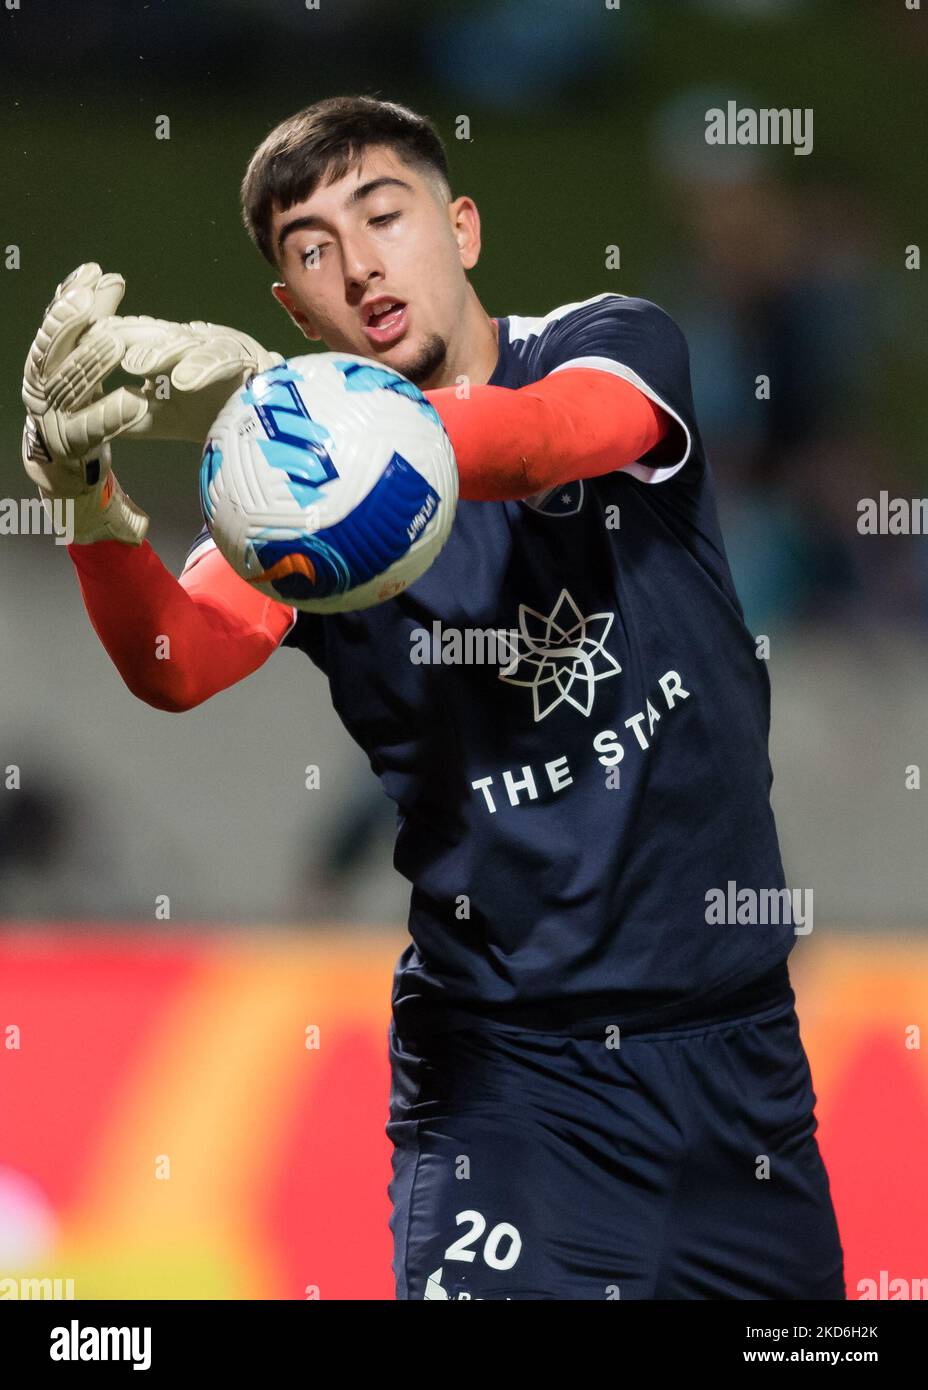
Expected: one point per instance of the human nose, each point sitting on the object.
(361, 264)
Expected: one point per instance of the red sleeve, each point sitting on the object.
(577, 423)
(176, 642)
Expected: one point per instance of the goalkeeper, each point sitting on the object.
(624, 1073)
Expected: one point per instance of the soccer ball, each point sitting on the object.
(329, 483)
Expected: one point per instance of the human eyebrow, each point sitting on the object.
(298, 224)
(364, 190)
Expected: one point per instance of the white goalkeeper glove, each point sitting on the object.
(202, 364)
(59, 454)
(80, 343)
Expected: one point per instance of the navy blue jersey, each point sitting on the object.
(564, 810)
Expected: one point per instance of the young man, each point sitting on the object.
(599, 1089)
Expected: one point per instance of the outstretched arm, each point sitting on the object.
(176, 642)
(576, 423)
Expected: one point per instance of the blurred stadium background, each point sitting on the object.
(141, 1037)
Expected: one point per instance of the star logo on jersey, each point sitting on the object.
(561, 656)
(434, 1287)
(553, 501)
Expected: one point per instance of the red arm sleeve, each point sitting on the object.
(176, 642)
(577, 423)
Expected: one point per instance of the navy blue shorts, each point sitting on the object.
(681, 1164)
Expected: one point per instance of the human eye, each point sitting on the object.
(384, 219)
(313, 255)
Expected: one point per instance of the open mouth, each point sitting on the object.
(385, 320)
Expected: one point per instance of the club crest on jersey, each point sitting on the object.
(564, 500)
(560, 656)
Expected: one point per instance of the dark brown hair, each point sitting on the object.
(324, 141)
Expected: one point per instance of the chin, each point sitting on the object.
(422, 360)
(404, 356)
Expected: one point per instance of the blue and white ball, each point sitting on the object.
(329, 483)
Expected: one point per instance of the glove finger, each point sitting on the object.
(111, 416)
(219, 360)
(87, 275)
(131, 325)
(108, 289)
(84, 295)
(108, 295)
(63, 326)
(132, 328)
(64, 321)
(95, 356)
(157, 352)
(101, 349)
(74, 305)
(142, 335)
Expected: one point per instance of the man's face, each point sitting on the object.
(382, 234)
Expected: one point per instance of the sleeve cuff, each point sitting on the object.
(642, 471)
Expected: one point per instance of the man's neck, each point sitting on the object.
(476, 349)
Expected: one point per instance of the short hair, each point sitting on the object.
(321, 143)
